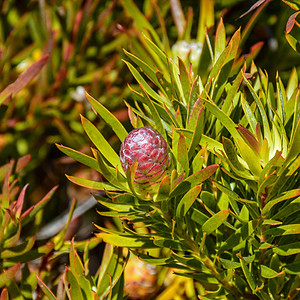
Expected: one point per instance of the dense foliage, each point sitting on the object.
(219, 83)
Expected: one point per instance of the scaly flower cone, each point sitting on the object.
(147, 147)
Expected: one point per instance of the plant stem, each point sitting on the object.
(208, 263)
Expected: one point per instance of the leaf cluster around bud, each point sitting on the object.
(228, 214)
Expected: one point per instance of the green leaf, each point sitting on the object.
(19, 249)
(166, 87)
(194, 180)
(249, 113)
(294, 43)
(91, 184)
(108, 267)
(284, 230)
(128, 242)
(182, 155)
(229, 264)
(144, 67)
(164, 189)
(33, 253)
(267, 272)
(206, 19)
(251, 158)
(8, 275)
(60, 237)
(79, 271)
(288, 210)
(187, 201)
(171, 244)
(215, 221)
(45, 289)
(259, 104)
(220, 43)
(247, 273)
(293, 268)
(80, 157)
(240, 235)
(287, 195)
(184, 80)
(141, 21)
(156, 117)
(197, 131)
(223, 118)
(100, 142)
(286, 250)
(231, 154)
(111, 174)
(109, 118)
(74, 292)
(146, 86)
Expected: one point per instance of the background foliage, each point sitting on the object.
(52, 51)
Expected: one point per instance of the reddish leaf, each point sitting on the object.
(22, 162)
(291, 22)
(19, 205)
(248, 137)
(178, 16)
(4, 295)
(8, 275)
(24, 78)
(34, 209)
(253, 7)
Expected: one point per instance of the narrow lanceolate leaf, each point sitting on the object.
(128, 242)
(18, 250)
(29, 214)
(45, 289)
(215, 221)
(145, 85)
(231, 154)
(182, 154)
(286, 250)
(187, 201)
(247, 273)
(141, 21)
(263, 114)
(249, 138)
(164, 189)
(194, 180)
(109, 118)
(111, 173)
(294, 147)
(80, 157)
(100, 142)
(156, 117)
(74, 292)
(178, 16)
(223, 118)
(146, 69)
(197, 127)
(91, 184)
(289, 209)
(284, 230)
(239, 236)
(220, 43)
(8, 275)
(24, 78)
(288, 195)
(184, 80)
(293, 268)
(206, 19)
(267, 272)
